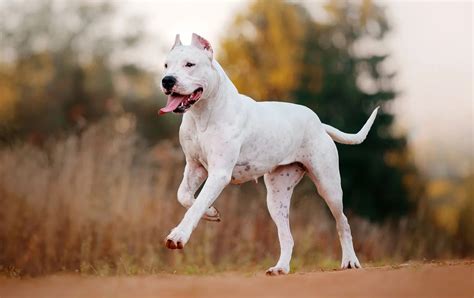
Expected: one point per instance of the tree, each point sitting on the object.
(60, 70)
(318, 65)
(260, 48)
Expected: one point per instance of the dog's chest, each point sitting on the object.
(190, 142)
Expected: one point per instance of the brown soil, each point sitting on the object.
(413, 280)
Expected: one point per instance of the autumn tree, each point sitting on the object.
(260, 48)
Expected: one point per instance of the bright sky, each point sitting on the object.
(432, 46)
(432, 50)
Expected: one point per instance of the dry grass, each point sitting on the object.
(102, 203)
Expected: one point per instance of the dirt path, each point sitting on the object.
(432, 280)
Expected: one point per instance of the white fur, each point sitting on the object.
(228, 137)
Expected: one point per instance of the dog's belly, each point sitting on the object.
(263, 153)
(247, 171)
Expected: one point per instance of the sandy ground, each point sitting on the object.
(415, 280)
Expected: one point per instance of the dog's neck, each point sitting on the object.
(216, 98)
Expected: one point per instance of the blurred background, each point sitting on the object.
(89, 172)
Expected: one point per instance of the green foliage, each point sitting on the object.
(61, 69)
(323, 70)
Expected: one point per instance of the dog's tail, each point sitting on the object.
(348, 138)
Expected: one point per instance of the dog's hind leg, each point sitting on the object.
(280, 184)
(322, 165)
(194, 176)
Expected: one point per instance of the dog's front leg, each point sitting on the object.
(222, 157)
(214, 185)
(194, 176)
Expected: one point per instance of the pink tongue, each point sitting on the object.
(173, 103)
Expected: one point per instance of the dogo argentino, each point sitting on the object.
(228, 137)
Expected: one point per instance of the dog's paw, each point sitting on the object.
(274, 271)
(212, 214)
(176, 240)
(350, 263)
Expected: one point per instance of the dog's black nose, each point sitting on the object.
(168, 82)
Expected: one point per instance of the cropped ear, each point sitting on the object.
(177, 42)
(203, 44)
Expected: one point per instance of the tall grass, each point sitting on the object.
(102, 203)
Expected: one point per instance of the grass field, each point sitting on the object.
(102, 203)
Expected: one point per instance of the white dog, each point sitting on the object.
(228, 137)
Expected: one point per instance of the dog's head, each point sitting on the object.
(188, 74)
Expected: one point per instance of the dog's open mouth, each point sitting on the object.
(179, 103)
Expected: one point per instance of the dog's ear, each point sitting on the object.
(203, 44)
(177, 42)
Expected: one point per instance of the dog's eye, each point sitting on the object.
(166, 65)
(189, 64)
